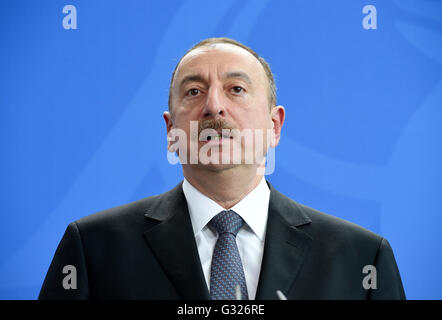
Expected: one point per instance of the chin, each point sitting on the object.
(219, 167)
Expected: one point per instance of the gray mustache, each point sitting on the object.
(216, 124)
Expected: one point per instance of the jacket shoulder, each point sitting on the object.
(333, 232)
(129, 213)
(321, 225)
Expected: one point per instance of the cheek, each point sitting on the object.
(188, 111)
(188, 126)
(254, 119)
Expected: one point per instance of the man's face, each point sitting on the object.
(221, 87)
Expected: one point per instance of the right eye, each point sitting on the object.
(193, 92)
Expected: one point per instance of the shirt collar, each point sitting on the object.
(253, 208)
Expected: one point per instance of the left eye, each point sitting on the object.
(237, 90)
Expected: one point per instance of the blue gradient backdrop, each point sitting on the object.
(81, 123)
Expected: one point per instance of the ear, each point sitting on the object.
(169, 125)
(278, 116)
(168, 118)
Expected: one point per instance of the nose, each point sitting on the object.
(214, 106)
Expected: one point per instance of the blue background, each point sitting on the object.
(81, 123)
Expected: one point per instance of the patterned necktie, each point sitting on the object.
(226, 271)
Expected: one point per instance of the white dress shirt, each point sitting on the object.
(250, 239)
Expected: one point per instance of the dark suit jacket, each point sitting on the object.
(146, 250)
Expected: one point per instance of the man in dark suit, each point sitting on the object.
(224, 232)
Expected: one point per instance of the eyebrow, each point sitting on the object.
(228, 75)
(238, 74)
(192, 78)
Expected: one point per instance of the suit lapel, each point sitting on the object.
(172, 241)
(285, 246)
(170, 236)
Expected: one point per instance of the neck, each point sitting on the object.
(226, 187)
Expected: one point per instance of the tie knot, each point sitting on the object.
(226, 221)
